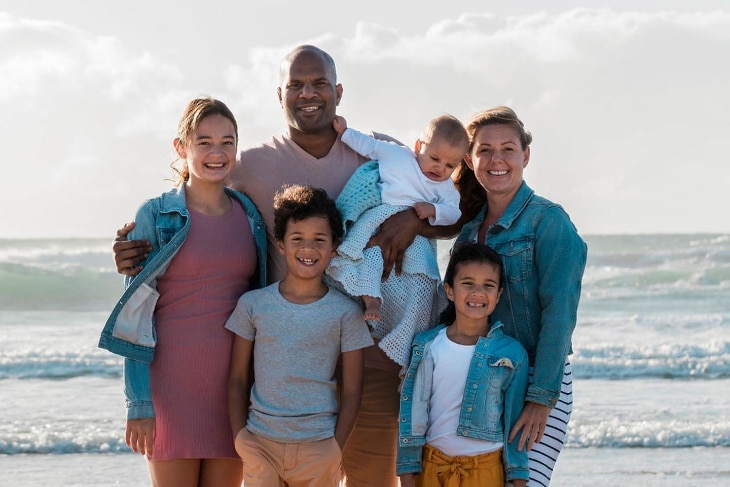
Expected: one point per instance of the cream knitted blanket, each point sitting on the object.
(412, 301)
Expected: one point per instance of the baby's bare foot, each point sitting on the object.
(372, 308)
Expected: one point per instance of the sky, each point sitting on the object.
(628, 102)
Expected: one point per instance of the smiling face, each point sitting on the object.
(307, 247)
(210, 151)
(498, 159)
(475, 290)
(309, 93)
(438, 158)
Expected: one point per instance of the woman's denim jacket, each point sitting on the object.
(130, 329)
(494, 394)
(544, 258)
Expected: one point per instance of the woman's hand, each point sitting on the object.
(532, 422)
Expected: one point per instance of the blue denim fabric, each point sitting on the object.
(130, 331)
(493, 399)
(544, 259)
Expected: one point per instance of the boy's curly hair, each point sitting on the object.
(297, 202)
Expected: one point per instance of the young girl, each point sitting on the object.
(208, 248)
(464, 387)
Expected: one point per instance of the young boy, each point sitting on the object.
(289, 429)
(398, 178)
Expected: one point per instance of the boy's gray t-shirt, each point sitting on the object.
(296, 348)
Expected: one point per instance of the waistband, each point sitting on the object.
(451, 470)
(490, 459)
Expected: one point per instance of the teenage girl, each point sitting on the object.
(208, 248)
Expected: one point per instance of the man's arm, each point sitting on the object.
(397, 233)
(129, 253)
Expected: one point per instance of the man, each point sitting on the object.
(311, 153)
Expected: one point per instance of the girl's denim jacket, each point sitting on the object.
(544, 258)
(494, 394)
(130, 329)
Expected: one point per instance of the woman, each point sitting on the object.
(208, 248)
(544, 258)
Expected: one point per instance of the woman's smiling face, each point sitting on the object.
(498, 159)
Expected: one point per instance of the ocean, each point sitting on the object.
(651, 365)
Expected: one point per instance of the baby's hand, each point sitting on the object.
(424, 210)
(339, 124)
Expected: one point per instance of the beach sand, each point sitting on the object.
(577, 467)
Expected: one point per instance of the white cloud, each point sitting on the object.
(73, 110)
(628, 108)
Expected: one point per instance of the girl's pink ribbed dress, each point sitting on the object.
(190, 371)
